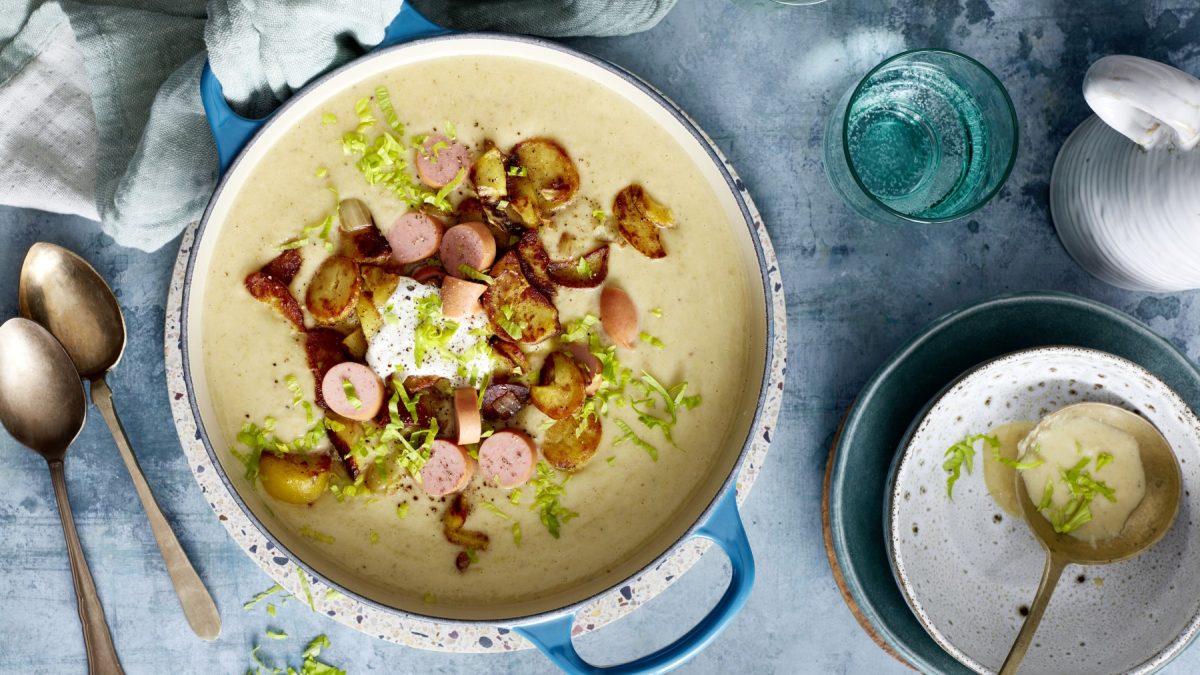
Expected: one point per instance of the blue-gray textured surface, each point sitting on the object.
(761, 81)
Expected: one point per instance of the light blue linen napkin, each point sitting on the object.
(155, 160)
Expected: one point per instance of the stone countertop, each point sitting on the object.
(761, 80)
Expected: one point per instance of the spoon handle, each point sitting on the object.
(198, 605)
(1054, 569)
(97, 641)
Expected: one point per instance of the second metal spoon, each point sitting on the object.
(61, 291)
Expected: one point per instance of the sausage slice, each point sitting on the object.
(507, 458)
(353, 391)
(448, 469)
(618, 316)
(439, 160)
(467, 244)
(466, 415)
(460, 299)
(413, 237)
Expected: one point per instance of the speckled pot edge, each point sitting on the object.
(448, 636)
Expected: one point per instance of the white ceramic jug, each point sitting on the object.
(1125, 192)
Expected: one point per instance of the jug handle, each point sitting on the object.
(1151, 103)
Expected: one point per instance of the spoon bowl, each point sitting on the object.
(41, 398)
(1146, 525)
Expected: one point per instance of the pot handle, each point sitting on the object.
(231, 131)
(1150, 103)
(724, 527)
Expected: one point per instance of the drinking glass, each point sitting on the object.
(927, 136)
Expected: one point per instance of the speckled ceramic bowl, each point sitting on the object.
(969, 571)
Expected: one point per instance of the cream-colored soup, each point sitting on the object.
(700, 287)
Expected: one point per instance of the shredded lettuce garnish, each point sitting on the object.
(438, 200)
(316, 535)
(579, 329)
(515, 497)
(306, 588)
(277, 634)
(259, 597)
(374, 537)
(516, 533)
(657, 312)
(517, 171)
(612, 461)
(321, 172)
(402, 511)
(1103, 459)
(488, 506)
(313, 234)
(547, 493)
(472, 273)
(962, 454)
(651, 340)
(600, 215)
(1015, 464)
(384, 101)
(1084, 489)
(328, 118)
(351, 394)
(451, 130)
(512, 328)
(630, 435)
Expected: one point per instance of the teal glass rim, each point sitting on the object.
(1012, 111)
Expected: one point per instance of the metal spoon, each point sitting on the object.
(62, 292)
(1145, 526)
(42, 406)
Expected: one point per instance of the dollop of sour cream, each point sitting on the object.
(464, 357)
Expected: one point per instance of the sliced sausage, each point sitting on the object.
(439, 160)
(448, 469)
(460, 299)
(589, 364)
(414, 236)
(618, 316)
(507, 458)
(466, 414)
(352, 390)
(467, 244)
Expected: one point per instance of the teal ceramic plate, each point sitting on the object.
(876, 425)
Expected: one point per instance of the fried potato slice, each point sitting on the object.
(333, 290)
(512, 358)
(293, 478)
(559, 392)
(517, 311)
(543, 172)
(275, 293)
(453, 522)
(488, 175)
(587, 271)
(370, 321)
(350, 435)
(569, 443)
(635, 226)
(379, 283)
(535, 262)
(356, 343)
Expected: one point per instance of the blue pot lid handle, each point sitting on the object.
(231, 131)
(724, 527)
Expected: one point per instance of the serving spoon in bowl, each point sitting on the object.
(42, 406)
(1147, 524)
(63, 293)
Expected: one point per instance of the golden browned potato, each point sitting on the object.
(516, 311)
(571, 442)
(369, 318)
(294, 479)
(587, 271)
(379, 283)
(559, 392)
(629, 210)
(544, 171)
(365, 245)
(356, 343)
(489, 177)
(275, 293)
(333, 290)
(535, 262)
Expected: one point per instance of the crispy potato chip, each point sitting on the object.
(379, 283)
(275, 293)
(559, 392)
(488, 175)
(284, 266)
(535, 262)
(365, 245)
(634, 225)
(544, 173)
(294, 479)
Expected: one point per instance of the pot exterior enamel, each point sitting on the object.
(593, 612)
